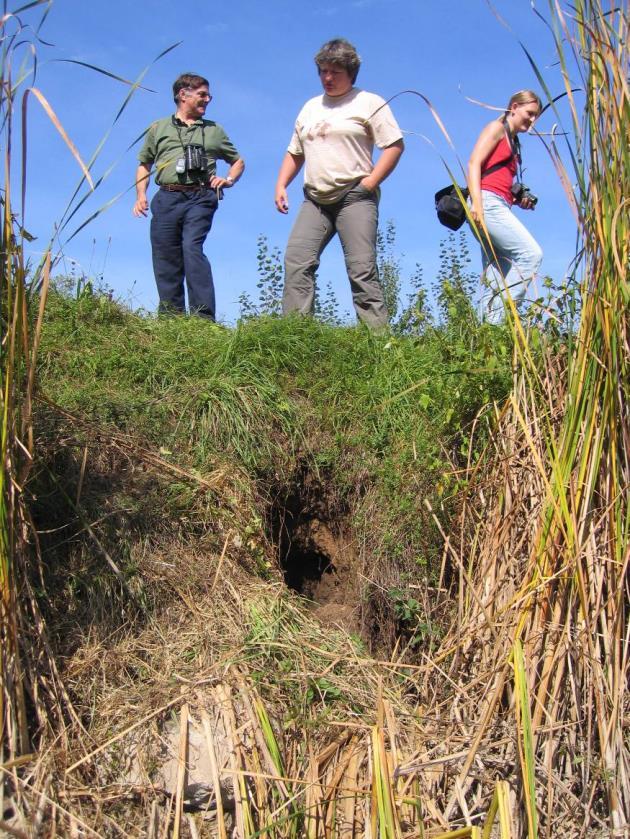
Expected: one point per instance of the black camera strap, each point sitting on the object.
(515, 149)
(496, 166)
(515, 145)
(194, 127)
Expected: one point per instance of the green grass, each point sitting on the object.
(269, 389)
(366, 427)
(363, 412)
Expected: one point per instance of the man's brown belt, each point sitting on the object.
(184, 187)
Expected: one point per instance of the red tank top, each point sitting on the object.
(500, 181)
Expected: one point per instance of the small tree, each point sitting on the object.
(455, 284)
(246, 306)
(415, 317)
(388, 268)
(327, 308)
(270, 279)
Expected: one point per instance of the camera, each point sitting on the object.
(522, 192)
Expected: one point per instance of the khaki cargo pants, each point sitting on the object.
(355, 218)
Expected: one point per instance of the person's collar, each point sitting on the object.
(332, 100)
(180, 121)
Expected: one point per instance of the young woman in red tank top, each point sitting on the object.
(510, 255)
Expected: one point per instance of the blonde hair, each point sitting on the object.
(522, 97)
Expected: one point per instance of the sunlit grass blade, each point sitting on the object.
(525, 739)
(104, 72)
(384, 796)
(55, 121)
(73, 206)
(500, 806)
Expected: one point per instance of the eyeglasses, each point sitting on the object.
(199, 95)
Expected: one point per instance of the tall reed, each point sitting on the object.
(27, 664)
(16, 378)
(549, 549)
(583, 538)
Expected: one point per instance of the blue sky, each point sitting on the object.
(259, 59)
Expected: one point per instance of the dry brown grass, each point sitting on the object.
(521, 714)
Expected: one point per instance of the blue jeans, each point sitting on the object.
(510, 260)
(180, 222)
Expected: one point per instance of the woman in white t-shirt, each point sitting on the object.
(334, 137)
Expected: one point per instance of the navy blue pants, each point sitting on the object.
(180, 222)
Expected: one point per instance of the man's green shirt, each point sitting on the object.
(165, 141)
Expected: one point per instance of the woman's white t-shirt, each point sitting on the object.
(336, 136)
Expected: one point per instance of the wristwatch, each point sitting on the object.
(230, 180)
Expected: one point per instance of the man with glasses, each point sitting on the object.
(184, 149)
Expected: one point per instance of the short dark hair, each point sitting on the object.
(340, 52)
(188, 80)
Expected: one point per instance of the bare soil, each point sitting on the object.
(322, 566)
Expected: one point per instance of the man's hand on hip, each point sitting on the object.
(221, 183)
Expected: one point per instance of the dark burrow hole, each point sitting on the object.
(316, 551)
(296, 520)
(318, 556)
(303, 563)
